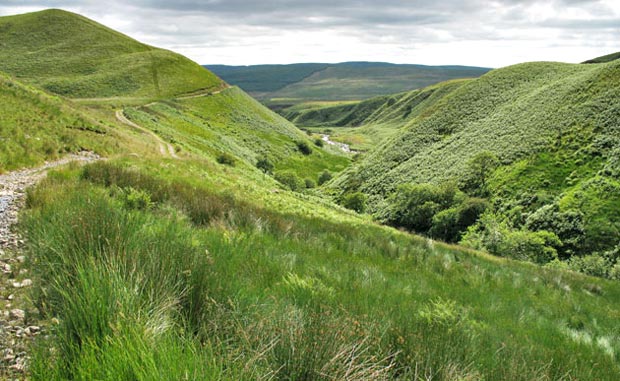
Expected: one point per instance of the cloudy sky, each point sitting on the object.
(467, 32)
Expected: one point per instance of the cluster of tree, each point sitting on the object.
(460, 212)
(439, 211)
(291, 180)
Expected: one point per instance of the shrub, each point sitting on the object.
(538, 247)
(304, 147)
(265, 165)
(445, 225)
(319, 142)
(355, 201)
(290, 180)
(136, 199)
(310, 183)
(413, 206)
(324, 177)
(500, 239)
(568, 226)
(226, 159)
(594, 264)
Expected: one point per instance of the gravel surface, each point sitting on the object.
(17, 314)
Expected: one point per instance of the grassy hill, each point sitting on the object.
(280, 86)
(70, 55)
(603, 59)
(201, 266)
(540, 138)
(365, 124)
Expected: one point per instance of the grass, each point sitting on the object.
(234, 123)
(365, 124)
(73, 56)
(35, 127)
(255, 293)
(337, 82)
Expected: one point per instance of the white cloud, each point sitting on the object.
(470, 32)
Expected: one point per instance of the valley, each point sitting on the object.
(172, 227)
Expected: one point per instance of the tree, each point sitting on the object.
(324, 177)
(355, 201)
(479, 168)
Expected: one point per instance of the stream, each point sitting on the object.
(344, 147)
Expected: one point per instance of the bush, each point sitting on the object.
(445, 225)
(355, 201)
(304, 147)
(324, 177)
(290, 180)
(568, 226)
(413, 206)
(226, 159)
(500, 239)
(310, 183)
(594, 264)
(538, 247)
(450, 224)
(265, 165)
(136, 199)
(319, 142)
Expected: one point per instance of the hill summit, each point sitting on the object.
(73, 56)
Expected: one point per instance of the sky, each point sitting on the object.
(484, 33)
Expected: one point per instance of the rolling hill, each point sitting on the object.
(106, 64)
(280, 86)
(605, 58)
(546, 132)
(217, 263)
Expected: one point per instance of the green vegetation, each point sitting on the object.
(539, 141)
(73, 56)
(603, 59)
(265, 78)
(354, 201)
(280, 86)
(204, 286)
(35, 127)
(159, 265)
(363, 125)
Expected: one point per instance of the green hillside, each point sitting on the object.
(603, 59)
(539, 141)
(365, 124)
(280, 86)
(35, 126)
(265, 78)
(200, 248)
(70, 55)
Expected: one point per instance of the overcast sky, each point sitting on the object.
(464, 32)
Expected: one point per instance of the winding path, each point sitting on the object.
(15, 330)
(165, 148)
